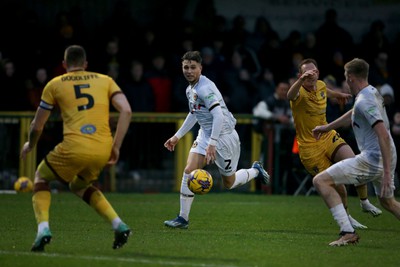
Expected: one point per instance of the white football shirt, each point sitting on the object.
(203, 97)
(367, 111)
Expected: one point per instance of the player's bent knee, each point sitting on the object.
(322, 179)
(316, 181)
(87, 194)
(78, 189)
(228, 182)
(41, 186)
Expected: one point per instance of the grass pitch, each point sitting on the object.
(226, 230)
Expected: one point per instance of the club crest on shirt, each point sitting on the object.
(195, 97)
(194, 144)
(88, 129)
(322, 94)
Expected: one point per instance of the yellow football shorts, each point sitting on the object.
(318, 156)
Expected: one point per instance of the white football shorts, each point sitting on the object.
(357, 170)
(228, 151)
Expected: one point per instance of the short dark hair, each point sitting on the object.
(357, 67)
(307, 61)
(192, 55)
(75, 55)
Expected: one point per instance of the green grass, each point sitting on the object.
(226, 229)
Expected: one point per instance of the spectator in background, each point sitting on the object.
(238, 34)
(374, 40)
(148, 42)
(35, 87)
(335, 67)
(53, 133)
(331, 37)
(276, 107)
(161, 83)
(334, 108)
(64, 33)
(379, 72)
(274, 114)
(212, 69)
(16, 97)
(291, 45)
(291, 67)
(308, 45)
(257, 38)
(265, 84)
(220, 29)
(110, 60)
(239, 85)
(270, 53)
(185, 43)
(140, 96)
(137, 89)
(388, 98)
(122, 26)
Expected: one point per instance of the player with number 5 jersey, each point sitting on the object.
(88, 145)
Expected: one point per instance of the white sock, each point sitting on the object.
(42, 226)
(342, 219)
(115, 223)
(186, 198)
(364, 201)
(243, 176)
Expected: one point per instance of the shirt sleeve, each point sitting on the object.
(218, 119)
(188, 124)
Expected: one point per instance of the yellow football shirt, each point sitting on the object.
(309, 111)
(84, 99)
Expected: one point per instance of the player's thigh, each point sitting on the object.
(314, 158)
(228, 154)
(194, 161)
(67, 164)
(196, 158)
(45, 172)
(337, 149)
(353, 171)
(62, 165)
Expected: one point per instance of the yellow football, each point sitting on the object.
(200, 182)
(23, 184)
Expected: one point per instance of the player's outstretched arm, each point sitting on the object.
(121, 104)
(171, 143)
(35, 131)
(342, 121)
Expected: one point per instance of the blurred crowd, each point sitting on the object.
(145, 59)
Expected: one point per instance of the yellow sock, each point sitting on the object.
(362, 191)
(41, 205)
(102, 206)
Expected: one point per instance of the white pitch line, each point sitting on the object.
(113, 259)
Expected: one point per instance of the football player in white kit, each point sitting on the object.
(377, 161)
(217, 140)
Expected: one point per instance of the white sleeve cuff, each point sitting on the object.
(212, 142)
